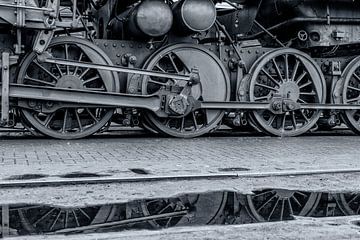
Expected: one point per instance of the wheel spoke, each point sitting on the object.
(270, 77)
(354, 88)
(173, 63)
(356, 76)
(266, 86)
(304, 116)
(182, 124)
(293, 120)
(353, 199)
(194, 121)
(48, 119)
(282, 209)
(295, 70)
(160, 68)
(45, 70)
(66, 219)
(77, 67)
(76, 218)
(43, 217)
(65, 120)
(84, 73)
(67, 58)
(92, 115)
(290, 207)
(278, 70)
(263, 193)
(78, 120)
(40, 81)
(297, 201)
(308, 93)
(84, 213)
(283, 123)
(273, 210)
(264, 204)
(305, 84)
(287, 77)
(91, 80)
(56, 219)
(59, 70)
(271, 120)
(301, 77)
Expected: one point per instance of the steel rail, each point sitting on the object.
(120, 180)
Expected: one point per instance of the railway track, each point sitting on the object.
(109, 180)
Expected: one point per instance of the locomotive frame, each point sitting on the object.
(234, 76)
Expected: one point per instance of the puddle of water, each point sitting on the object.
(234, 169)
(226, 208)
(26, 177)
(82, 175)
(140, 171)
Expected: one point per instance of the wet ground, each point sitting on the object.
(122, 207)
(187, 210)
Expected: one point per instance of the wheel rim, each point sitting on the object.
(214, 86)
(351, 94)
(205, 209)
(279, 205)
(51, 219)
(289, 74)
(349, 203)
(69, 122)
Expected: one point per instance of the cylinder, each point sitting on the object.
(194, 15)
(151, 18)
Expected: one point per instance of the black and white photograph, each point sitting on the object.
(179, 119)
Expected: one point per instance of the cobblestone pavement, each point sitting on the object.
(129, 155)
(116, 155)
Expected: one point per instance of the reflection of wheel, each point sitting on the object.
(68, 122)
(351, 94)
(50, 219)
(278, 204)
(349, 203)
(214, 86)
(289, 74)
(203, 209)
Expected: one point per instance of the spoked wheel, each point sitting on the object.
(279, 205)
(203, 209)
(351, 94)
(291, 74)
(214, 86)
(349, 203)
(50, 219)
(68, 122)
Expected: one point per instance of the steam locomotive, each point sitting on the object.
(180, 68)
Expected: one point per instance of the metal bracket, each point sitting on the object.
(5, 89)
(5, 221)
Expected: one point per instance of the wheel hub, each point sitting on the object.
(290, 90)
(70, 82)
(284, 194)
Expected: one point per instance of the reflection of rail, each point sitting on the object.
(108, 180)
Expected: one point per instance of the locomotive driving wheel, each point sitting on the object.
(214, 86)
(351, 94)
(40, 219)
(290, 75)
(68, 122)
(203, 209)
(349, 203)
(279, 204)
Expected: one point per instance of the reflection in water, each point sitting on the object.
(185, 210)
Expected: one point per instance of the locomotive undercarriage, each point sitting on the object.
(72, 86)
